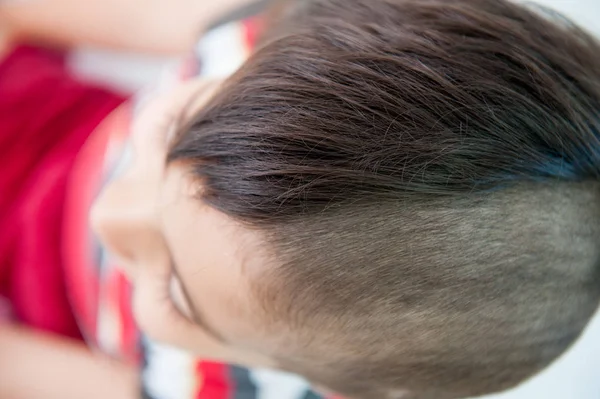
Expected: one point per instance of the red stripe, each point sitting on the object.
(85, 180)
(252, 30)
(216, 383)
(129, 334)
(188, 69)
(79, 264)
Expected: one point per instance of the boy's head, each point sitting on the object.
(393, 198)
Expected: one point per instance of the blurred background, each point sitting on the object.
(128, 71)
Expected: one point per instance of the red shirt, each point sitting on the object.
(45, 118)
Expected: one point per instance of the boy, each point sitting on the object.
(394, 199)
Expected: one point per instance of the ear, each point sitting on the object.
(179, 299)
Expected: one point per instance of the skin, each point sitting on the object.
(60, 368)
(168, 240)
(155, 26)
(188, 262)
(64, 368)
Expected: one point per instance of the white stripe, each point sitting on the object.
(277, 385)
(169, 373)
(222, 51)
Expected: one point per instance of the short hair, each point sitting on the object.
(425, 173)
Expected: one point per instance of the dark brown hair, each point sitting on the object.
(425, 174)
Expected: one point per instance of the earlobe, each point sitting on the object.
(156, 314)
(174, 326)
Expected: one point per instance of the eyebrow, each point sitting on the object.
(196, 314)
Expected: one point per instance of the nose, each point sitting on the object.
(123, 218)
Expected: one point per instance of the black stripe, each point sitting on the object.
(244, 387)
(145, 394)
(245, 12)
(144, 349)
